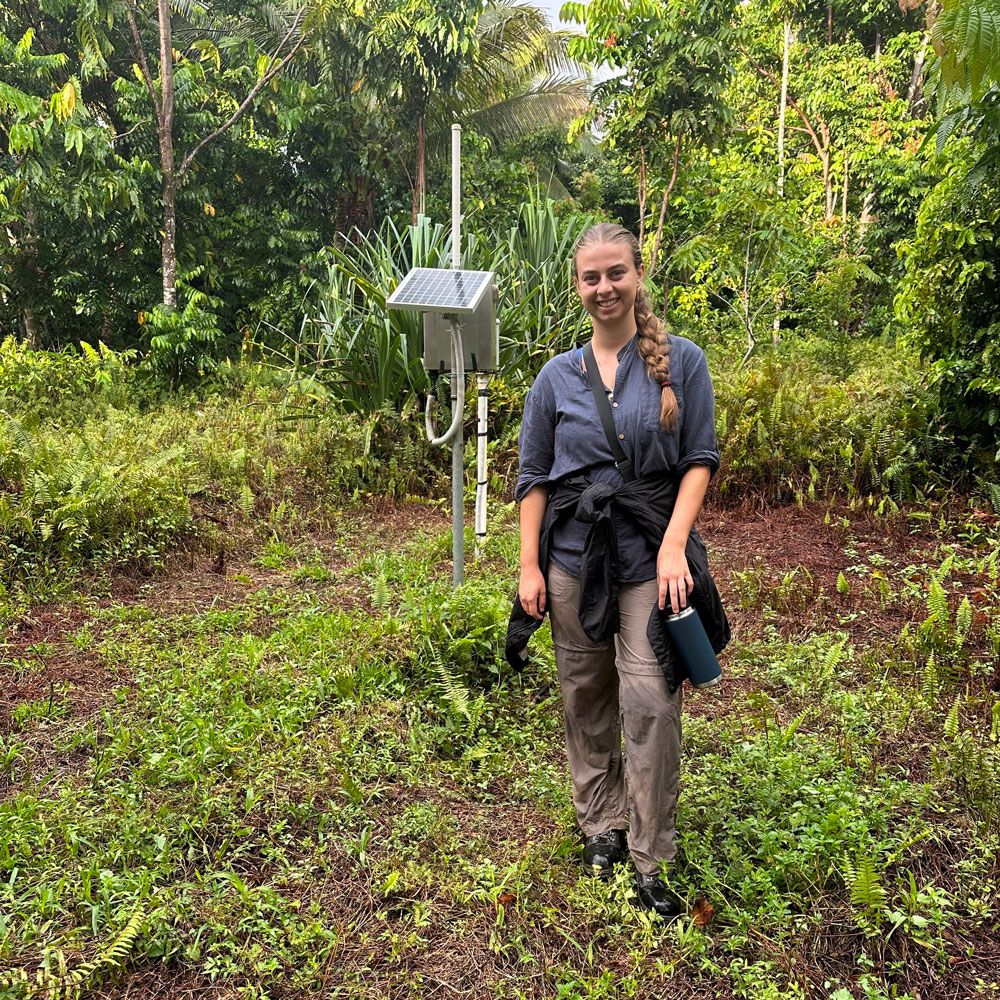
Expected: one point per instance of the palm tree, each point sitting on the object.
(499, 69)
(522, 79)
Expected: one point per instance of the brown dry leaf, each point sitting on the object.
(506, 898)
(703, 912)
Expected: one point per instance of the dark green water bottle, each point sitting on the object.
(691, 644)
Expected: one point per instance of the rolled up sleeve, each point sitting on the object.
(536, 443)
(697, 440)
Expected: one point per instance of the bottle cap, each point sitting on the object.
(683, 613)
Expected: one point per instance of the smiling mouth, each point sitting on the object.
(608, 303)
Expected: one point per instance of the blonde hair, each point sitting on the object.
(654, 340)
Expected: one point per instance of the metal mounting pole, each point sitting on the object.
(457, 390)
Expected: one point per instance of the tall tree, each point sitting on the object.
(522, 78)
(414, 50)
(152, 31)
(670, 60)
(58, 167)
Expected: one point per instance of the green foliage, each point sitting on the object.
(835, 306)
(370, 357)
(96, 468)
(386, 759)
(971, 760)
(966, 36)
(182, 341)
(946, 308)
(64, 384)
(539, 310)
(69, 983)
(90, 497)
(419, 47)
(671, 66)
(790, 426)
(675, 60)
(523, 79)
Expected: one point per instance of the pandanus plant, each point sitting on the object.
(370, 357)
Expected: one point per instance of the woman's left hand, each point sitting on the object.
(673, 577)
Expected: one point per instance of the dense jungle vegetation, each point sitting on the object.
(252, 744)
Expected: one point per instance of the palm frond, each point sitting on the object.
(552, 102)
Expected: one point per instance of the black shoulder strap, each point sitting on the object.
(622, 461)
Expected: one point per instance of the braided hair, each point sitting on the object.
(654, 341)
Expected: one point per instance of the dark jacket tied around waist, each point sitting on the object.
(649, 502)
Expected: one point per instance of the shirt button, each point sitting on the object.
(621, 437)
(614, 404)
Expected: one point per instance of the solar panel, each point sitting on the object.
(438, 290)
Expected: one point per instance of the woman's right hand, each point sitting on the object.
(531, 591)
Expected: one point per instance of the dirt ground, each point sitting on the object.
(46, 658)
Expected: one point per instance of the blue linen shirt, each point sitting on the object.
(561, 435)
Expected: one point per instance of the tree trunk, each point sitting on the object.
(663, 208)
(915, 94)
(827, 184)
(30, 329)
(820, 141)
(163, 106)
(783, 105)
(829, 23)
(419, 185)
(642, 195)
(786, 45)
(843, 207)
(825, 157)
(165, 128)
(30, 243)
(169, 244)
(866, 218)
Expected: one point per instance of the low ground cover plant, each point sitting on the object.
(331, 782)
(100, 466)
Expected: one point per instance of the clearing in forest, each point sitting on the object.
(306, 773)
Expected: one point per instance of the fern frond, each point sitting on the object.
(380, 594)
(937, 604)
(929, 687)
(966, 36)
(456, 695)
(66, 983)
(951, 722)
(867, 891)
(963, 621)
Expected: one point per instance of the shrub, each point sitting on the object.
(946, 307)
(90, 497)
(182, 341)
(370, 357)
(84, 482)
(67, 384)
(787, 426)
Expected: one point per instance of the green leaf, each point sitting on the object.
(951, 722)
(969, 33)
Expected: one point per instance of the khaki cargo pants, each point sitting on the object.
(609, 688)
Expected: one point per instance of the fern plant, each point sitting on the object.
(973, 762)
(68, 984)
(462, 707)
(867, 893)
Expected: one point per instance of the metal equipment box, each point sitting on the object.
(480, 338)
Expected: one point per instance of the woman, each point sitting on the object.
(604, 544)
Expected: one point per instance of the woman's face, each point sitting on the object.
(607, 281)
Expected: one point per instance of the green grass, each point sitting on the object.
(303, 793)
